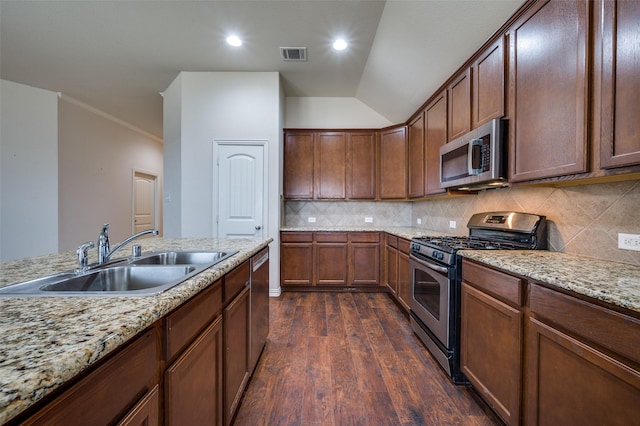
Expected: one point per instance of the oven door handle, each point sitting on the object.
(430, 265)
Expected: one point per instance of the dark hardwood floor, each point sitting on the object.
(350, 359)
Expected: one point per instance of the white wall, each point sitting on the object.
(331, 113)
(28, 171)
(201, 107)
(97, 156)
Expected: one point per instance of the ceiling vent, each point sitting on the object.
(298, 54)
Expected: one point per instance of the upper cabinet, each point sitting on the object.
(548, 93)
(417, 157)
(435, 136)
(393, 163)
(459, 102)
(488, 72)
(329, 165)
(617, 85)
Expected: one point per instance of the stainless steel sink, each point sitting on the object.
(182, 258)
(150, 274)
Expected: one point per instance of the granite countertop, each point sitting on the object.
(407, 232)
(46, 341)
(611, 282)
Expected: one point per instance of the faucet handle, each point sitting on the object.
(83, 255)
(105, 230)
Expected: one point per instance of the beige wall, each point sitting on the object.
(97, 158)
(584, 220)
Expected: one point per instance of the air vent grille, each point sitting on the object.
(298, 54)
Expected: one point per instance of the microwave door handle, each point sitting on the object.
(473, 145)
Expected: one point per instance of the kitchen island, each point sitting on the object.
(46, 342)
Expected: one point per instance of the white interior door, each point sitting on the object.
(240, 190)
(144, 202)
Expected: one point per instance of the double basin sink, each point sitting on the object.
(150, 274)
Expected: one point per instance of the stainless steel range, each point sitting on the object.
(436, 277)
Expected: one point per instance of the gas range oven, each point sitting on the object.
(436, 277)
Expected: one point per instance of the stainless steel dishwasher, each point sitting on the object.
(259, 306)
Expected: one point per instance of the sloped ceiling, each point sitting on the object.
(117, 56)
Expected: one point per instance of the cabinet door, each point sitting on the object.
(259, 306)
(330, 165)
(548, 91)
(391, 279)
(236, 358)
(459, 102)
(296, 258)
(393, 163)
(361, 166)
(488, 84)
(298, 166)
(435, 137)
(145, 413)
(491, 351)
(193, 383)
(416, 157)
(620, 85)
(404, 285)
(331, 258)
(364, 254)
(559, 365)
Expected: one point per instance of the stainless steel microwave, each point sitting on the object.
(476, 160)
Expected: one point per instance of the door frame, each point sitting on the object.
(264, 143)
(156, 201)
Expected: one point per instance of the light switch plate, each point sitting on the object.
(311, 220)
(629, 242)
(452, 224)
(419, 221)
(368, 219)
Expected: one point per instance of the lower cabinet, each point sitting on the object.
(550, 359)
(404, 285)
(391, 264)
(396, 269)
(119, 391)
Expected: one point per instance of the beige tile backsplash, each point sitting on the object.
(583, 219)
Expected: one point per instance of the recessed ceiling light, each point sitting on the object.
(340, 44)
(234, 41)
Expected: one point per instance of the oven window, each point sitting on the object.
(427, 292)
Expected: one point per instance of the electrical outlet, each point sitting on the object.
(452, 224)
(311, 220)
(419, 221)
(368, 219)
(629, 242)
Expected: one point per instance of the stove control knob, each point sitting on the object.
(440, 256)
(415, 247)
(434, 254)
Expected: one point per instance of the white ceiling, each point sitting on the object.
(117, 56)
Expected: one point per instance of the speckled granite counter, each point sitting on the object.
(404, 232)
(615, 283)
(45, 341)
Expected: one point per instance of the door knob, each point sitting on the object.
(258, 227)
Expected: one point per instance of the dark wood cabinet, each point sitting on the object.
(404, 285)
(145, 412)
(548, 95)
(298, 166)
(193, 382)
(361, 165)
(331, 258)
(393, 163)
(391, 264)
(296, 258)
(107, 394)
(491, 336)
(488, 72)
(435, 137)
(364, 255)
(617, 57)
(459, 103)
(416, 158)
(236, 319)
(582, 362)
(259, 302)
(330, 167)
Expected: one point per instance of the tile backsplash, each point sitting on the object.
(583, 220)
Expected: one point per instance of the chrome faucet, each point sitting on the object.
(83, 256)
(104, 248)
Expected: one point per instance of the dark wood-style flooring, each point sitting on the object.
(350, 359)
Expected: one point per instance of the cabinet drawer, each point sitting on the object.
(182, 326)
(235, 281)
(392, 241)
(365, 237)
(503, 286)
(610, 329)
(331, 237)
(296, 237)
(404, 245)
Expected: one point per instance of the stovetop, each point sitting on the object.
(451, 244)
